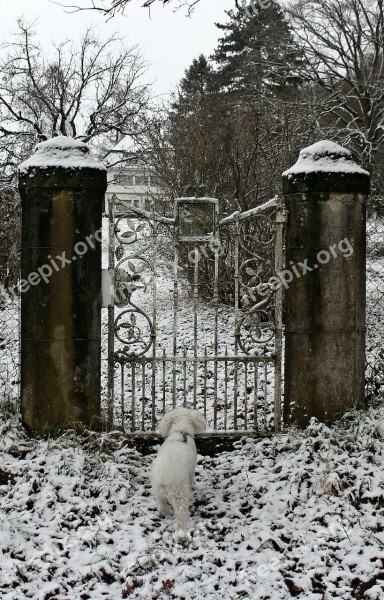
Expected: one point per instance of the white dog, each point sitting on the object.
(173, 470)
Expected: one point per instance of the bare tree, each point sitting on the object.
(9, 237)
(234, 153)
(110, 8)
(343, 42)
(92, 92)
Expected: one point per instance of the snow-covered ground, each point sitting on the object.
(297, 515)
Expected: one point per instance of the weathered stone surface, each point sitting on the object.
(325, 308)
(61, 318)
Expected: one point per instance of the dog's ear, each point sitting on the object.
(199, 422)
(165, 424)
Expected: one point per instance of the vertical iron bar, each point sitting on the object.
(265, 393)
(195, 321)
(255, 393)
(225, 387)
(245, 394)
(237, 331)
(154, 325)
(143, 395)
(133, 404)
(281, 218)
(111, 312)
(18, 312)
(122, 391)
(185, 377)
(163, 382)
(216, 325)
(205, 381)
(175, 309)
(143, 413)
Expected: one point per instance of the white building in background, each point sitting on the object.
(130, 177)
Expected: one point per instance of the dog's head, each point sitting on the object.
(182, 419)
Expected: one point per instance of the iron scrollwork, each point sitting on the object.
(256, 237)
(133, 327)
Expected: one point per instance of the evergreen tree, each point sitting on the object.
(198, 78)
(195, 86)
(257, 54)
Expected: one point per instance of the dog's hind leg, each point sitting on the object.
(180, 505)
(164, 508)
(162, 504)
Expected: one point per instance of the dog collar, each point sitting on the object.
(185, 436)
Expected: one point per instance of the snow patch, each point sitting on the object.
(241, 216)
(325, 157)
(61, 151)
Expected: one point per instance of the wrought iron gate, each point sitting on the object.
(192, 320)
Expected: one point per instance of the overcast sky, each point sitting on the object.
(169, 40)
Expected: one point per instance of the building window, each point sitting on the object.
(124, 179)
(155, 180)
(141, 179)
(137, 202)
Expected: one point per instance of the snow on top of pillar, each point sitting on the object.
(61, 151)
(325, 157)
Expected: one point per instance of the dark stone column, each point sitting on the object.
(326, 196)
(62, 191)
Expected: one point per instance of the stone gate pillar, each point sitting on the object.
(326, 194)
(62, 190)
